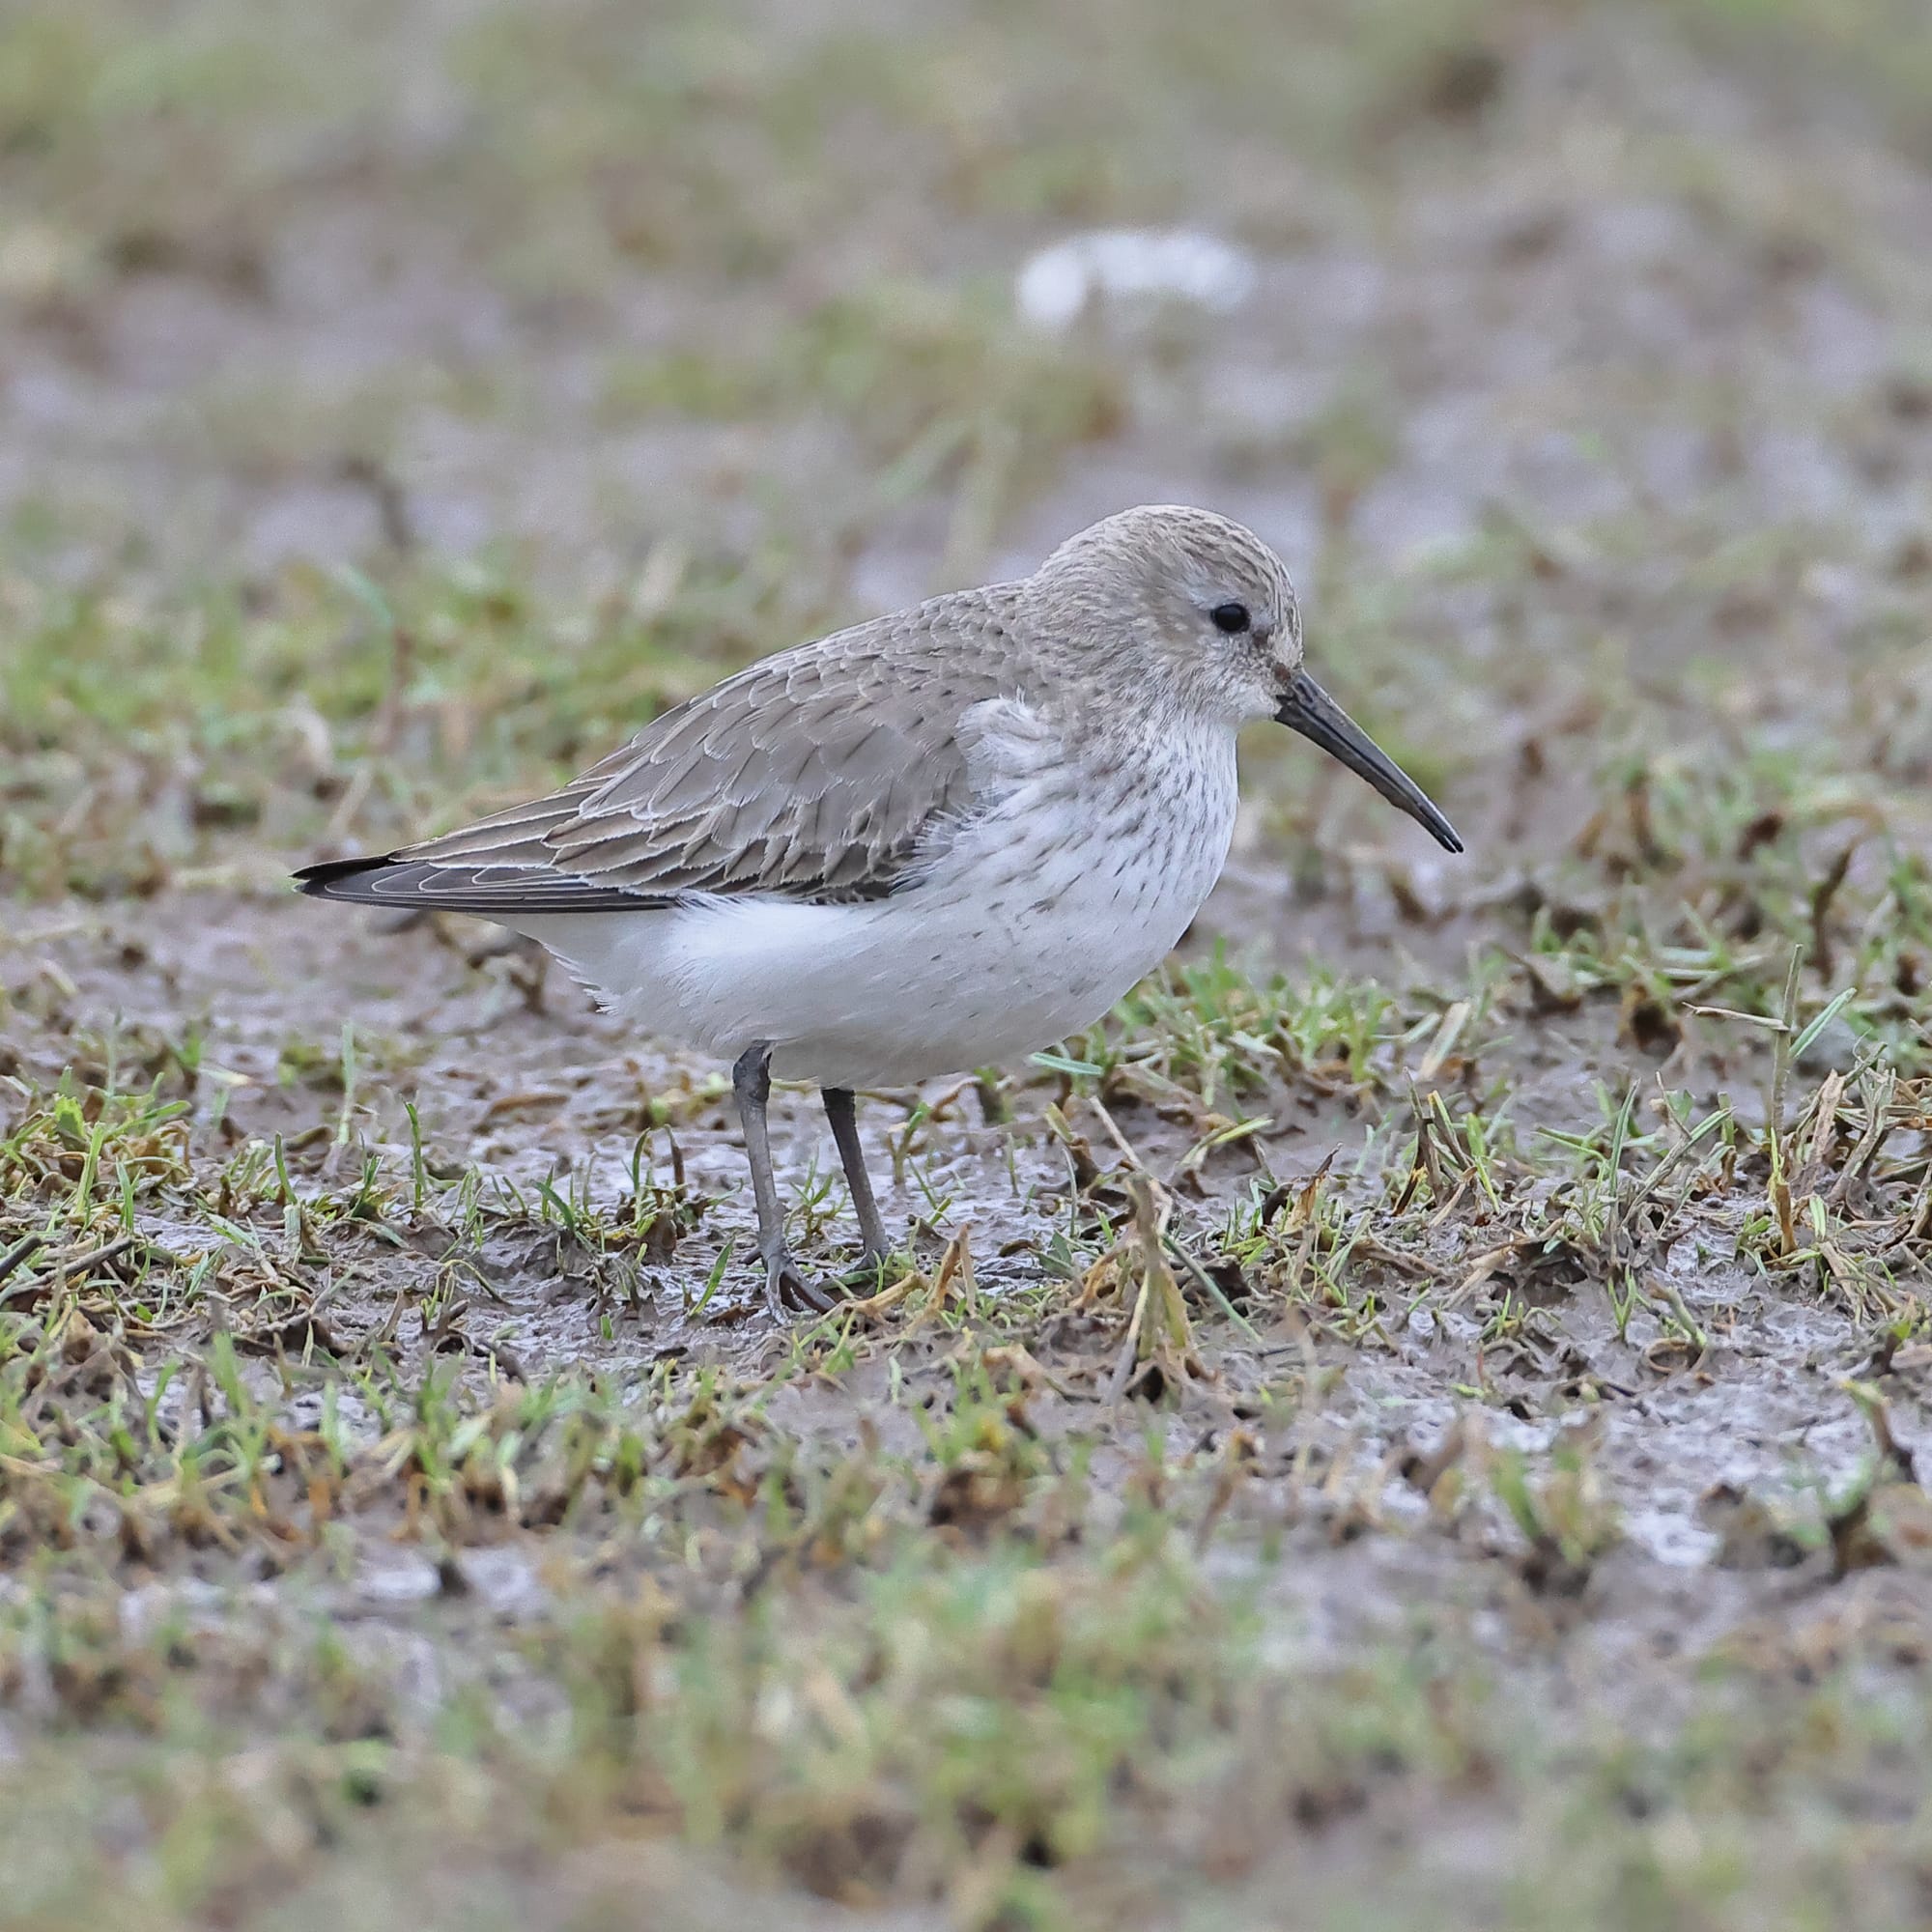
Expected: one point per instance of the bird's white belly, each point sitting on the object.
(1030, 928)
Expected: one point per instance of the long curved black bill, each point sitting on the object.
(1307, 708)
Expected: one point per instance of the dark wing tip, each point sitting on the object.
(325, 879)
(498, 892)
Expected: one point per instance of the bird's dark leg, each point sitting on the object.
(844, 1116)
(784, 1286)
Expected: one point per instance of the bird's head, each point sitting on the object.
(1203, 607)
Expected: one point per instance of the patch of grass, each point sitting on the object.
(1704, 877)
(1204, 1033)
(1039, 1733)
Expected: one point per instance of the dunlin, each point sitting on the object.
(928, 843)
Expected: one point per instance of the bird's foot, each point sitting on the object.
(787, 1290)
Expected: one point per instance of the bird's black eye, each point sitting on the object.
(1232, 618)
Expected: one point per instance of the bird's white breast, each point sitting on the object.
(1080, 871)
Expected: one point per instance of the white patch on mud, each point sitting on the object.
(1143, 267)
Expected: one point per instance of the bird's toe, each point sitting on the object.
(789, 1292)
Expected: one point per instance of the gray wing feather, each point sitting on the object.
(824, 773)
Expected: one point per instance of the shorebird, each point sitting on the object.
(929, 843)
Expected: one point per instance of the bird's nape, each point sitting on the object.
(1305, 707)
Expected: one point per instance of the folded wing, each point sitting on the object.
(825, 774)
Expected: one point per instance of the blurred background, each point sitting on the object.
(565, 281)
